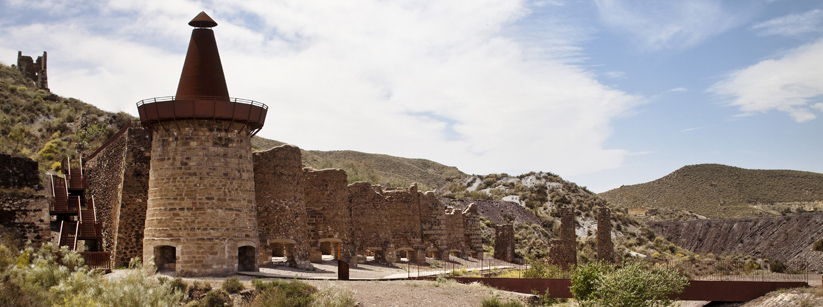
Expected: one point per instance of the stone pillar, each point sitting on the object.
(605, 247)
(504, 242)
(564, 251)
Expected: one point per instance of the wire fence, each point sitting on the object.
(695, 269)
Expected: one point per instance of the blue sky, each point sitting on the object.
(603, 93)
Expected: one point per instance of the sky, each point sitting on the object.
(603, 93)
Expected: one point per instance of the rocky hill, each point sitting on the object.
(720, 191)
(44, 126)
(531, 201)
(789, 239)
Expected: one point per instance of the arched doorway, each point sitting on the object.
(246, 258)
(165, 257)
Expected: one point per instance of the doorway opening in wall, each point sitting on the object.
(165, 258)
(282, 251)
(245, 258)
(329, 248)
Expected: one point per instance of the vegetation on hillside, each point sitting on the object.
(543, 194)
(720, 191)
(46, 127)
(374, 168)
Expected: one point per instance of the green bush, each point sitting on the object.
(818, 246)
(232, 285)
(541, 269)
(215, 298)
(777, 266)
(280, 293)
(56, 276)
(629, 286)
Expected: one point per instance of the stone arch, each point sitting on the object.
(330, 246)
(246, 258)
(165, 257)
(283, 248)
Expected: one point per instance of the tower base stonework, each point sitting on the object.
(201, 199)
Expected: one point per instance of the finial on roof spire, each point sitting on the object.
(202, 20)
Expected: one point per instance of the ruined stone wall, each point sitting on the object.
(117, 178)
(19, 172)
(471, 225)
(201, 197)
(28, 218)
(403, 216)
(34, 71)
(281, 205)
(433, 223)
(329, 212)
(563, 252)
(370, 228)
(455, 231)
(504, 242)
(605, 247)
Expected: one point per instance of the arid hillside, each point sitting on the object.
(720, 191)
(375, 168)
(789, 239)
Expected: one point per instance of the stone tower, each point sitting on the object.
(201, 212)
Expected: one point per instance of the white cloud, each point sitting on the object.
(792, 25)
(677, 89)
(441, 80)
(662, 25)
(788, 84)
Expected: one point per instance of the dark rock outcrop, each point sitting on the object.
(785, 238)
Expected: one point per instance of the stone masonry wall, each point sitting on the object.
(118, 178)
(370, 227)
(201, 197)
(433, 223)
(504, 242)
(455, 231)
(28, 218)
(403, 216)
(281, 205)
(18, 172)
(104, 181)
(605, 246)
(563, 252)
(329, 213)
(471, 224)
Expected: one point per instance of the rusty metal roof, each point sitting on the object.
(203, 20)
(202, 92)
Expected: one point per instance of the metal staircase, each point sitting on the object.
(77, 215)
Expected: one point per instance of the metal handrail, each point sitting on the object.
(231, 99)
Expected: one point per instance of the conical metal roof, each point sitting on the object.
(202, 20)
(202, 74)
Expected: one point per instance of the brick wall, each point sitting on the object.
(329, 213)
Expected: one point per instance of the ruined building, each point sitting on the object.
(34, 70)
(184, 188)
